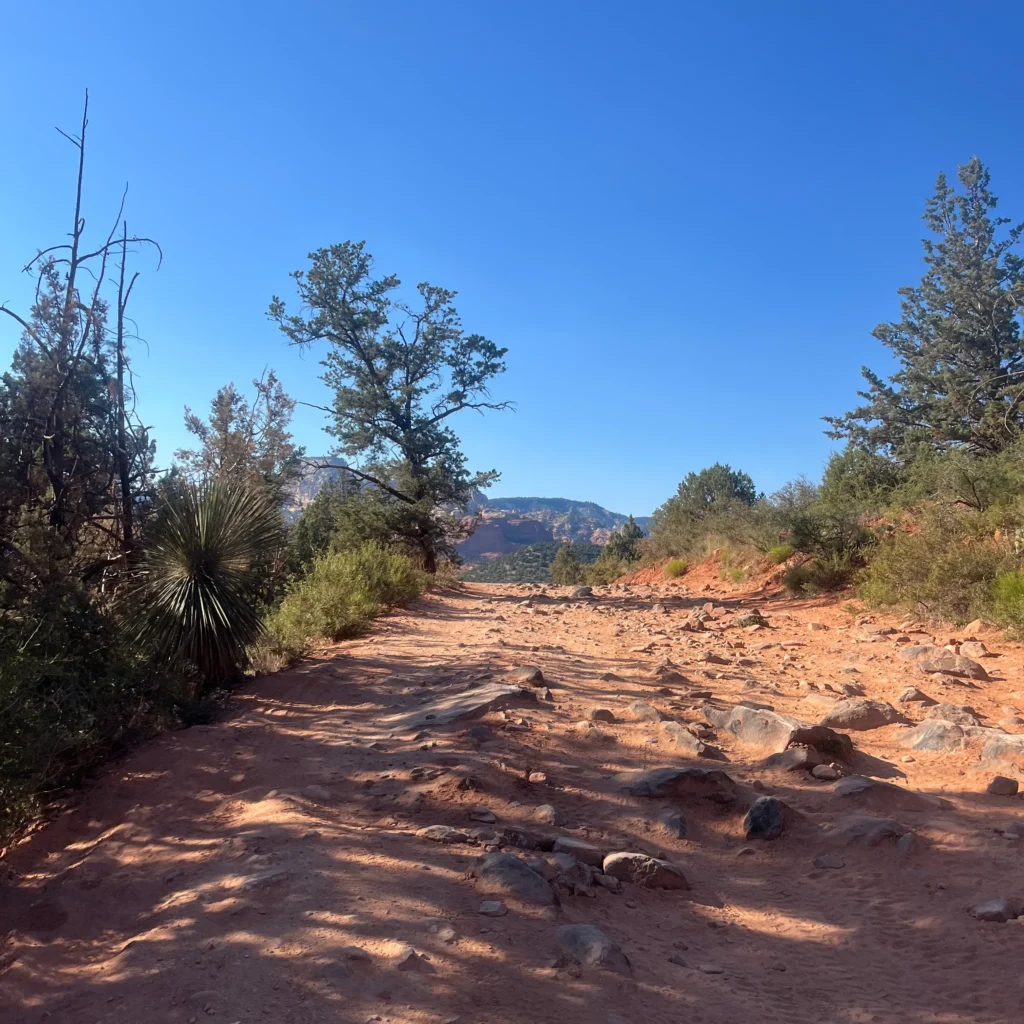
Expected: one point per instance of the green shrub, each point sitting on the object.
(448, 576)
(780, 553)
(819, 575)
(567, 570)
(341, 593)
(676, 568)
(1008, 599)
(607, 570)
(734, 575)
(944, 570)
(70, 694)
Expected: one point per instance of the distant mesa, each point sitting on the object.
(503, 525)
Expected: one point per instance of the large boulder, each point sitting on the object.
(1003, 747)
(588, 946)
(935, 734)
(859, 714)
(960, 714)
(506, 874)
(755, 726)
(707, 783)
(643, 870)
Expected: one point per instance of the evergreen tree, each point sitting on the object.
(960, 381)
(245, 442)
(625, 543)
(566, 569)
(398, 373)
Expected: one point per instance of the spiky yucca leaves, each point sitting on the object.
(197, 604)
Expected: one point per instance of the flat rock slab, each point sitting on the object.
(588, 946)
(881, 795)
(453, 706)
(506, 874)
(708, 783)
(951, 665)
(643, 870)
(586, 853)
(867, 830)
(859, 714)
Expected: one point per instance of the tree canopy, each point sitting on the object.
(960, 376)
(398, 372)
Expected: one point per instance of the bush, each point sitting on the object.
(341, 593)
(780, 553)
(448, 576)
(70, 694)
(944, 570)
(1008, 599)
(676, 568)
(567, 569)
(607, 570)
(819, 575)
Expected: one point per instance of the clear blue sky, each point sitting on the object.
(682, 219)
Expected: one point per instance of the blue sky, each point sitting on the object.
(682, 219)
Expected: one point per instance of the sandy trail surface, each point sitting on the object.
(270, 866)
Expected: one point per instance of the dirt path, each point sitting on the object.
(267, 867)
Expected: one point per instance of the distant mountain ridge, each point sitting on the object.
(502, 524)
(506, 524)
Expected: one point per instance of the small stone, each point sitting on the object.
(482, 814)
(765, 819)
(912, 695)
(588, 946)
(492, 908)
(826, 772)
(601, 715)
(321, 793)
(537, 778)
(528, 675)
(644, 712)
(974, 649)
(444, 931)
(829, 860)
(547, 814)
(673, 824)
(443, 834)
(711, 968)
(1002, 786)
(998, 911)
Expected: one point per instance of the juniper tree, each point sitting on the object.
(960, 376)
(398, 372)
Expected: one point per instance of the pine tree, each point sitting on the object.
(960, 381)
(566, 569)
(625, 543)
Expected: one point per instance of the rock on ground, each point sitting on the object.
(506, 873)
(933, 734)
(1002, 786)
(998, 911)
(643, 870)
(586, 853)
(588, 946)
(708, 783)
(860, 713)
(766, 819)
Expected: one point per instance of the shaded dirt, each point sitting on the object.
(266, 867)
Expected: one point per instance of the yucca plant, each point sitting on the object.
(197, 601)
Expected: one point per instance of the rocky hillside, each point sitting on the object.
(506, 524)
(529, 564)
